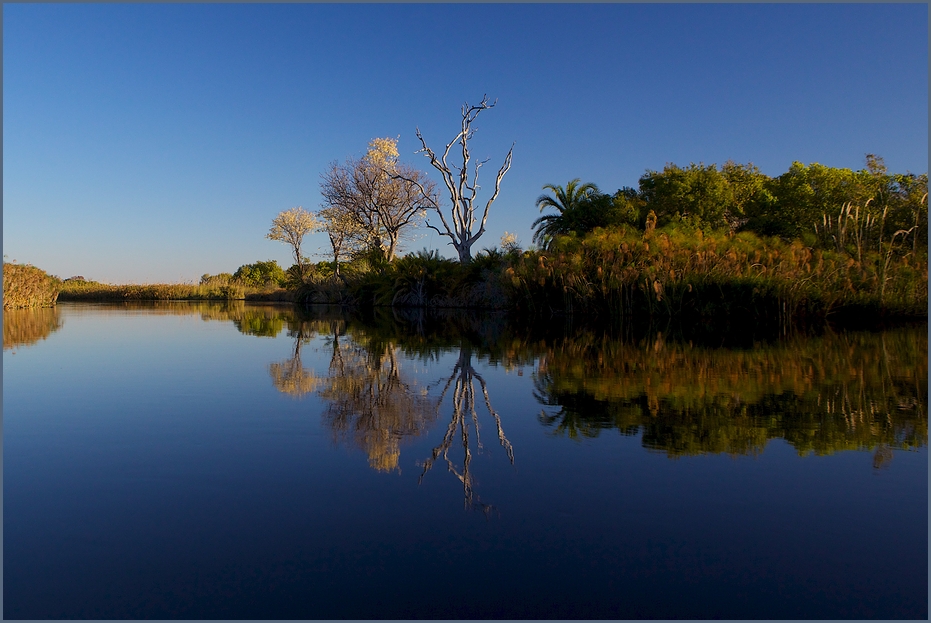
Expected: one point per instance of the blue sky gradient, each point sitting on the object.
(155, 142)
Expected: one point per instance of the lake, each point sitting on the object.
(207, 460)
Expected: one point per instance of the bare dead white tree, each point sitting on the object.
(460, 228)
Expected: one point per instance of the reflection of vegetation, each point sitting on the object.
(370, 401)
(22, 327)
(290, 376)
(683, 395)
(368, 398)
(822, 395)
(464, 375)
(263, 320)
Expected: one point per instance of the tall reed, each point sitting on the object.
(225, 291)
(676, 271)
(25, 285)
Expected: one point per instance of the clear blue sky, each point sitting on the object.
(155, 142)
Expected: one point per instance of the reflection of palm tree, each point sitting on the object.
(465, 376)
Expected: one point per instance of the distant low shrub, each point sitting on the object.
(212, 290)
(220, 279)
(25, 285)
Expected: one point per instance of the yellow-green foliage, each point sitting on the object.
(212, 290)
(664, 268)
(22, 327)
(25, 285)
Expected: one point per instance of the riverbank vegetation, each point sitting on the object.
(260, 281)
(25, 285)
(701, 242)
(713, 244)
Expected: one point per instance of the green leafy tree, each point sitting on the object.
(219, 279)
(909, 206)
(627, 207)
(261, 274)
(803, 195)
(697, 194)
(748, 192)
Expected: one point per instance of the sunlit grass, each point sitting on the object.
(674, 271)
(79, 290)
(25, 285)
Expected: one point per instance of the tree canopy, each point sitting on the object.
(374, 200)
(290, 227)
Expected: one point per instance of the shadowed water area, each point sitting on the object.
(206, 460)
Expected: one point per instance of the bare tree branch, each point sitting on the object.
(462, 192)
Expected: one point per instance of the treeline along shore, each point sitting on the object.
(704, 243)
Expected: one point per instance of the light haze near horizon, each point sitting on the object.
(156, 142)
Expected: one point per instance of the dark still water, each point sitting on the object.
(237, 461)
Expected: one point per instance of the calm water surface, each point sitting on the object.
(238, 461)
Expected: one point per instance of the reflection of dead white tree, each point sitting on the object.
(463, 382)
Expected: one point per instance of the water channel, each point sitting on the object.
(208, 460)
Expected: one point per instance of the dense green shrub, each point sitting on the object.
(261, 274)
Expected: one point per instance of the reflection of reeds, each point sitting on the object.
(22, 327)
(840, 391)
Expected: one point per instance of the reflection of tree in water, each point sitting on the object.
(370, 401)
(465, 416)
(23, 327)
(290, 376)
(368, 398)
(822, 395)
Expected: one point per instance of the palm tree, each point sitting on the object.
(566, 201)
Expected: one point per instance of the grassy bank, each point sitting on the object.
(25, 285)
(80, 290)
(678, 272)
(670, 272)
(714, 278)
